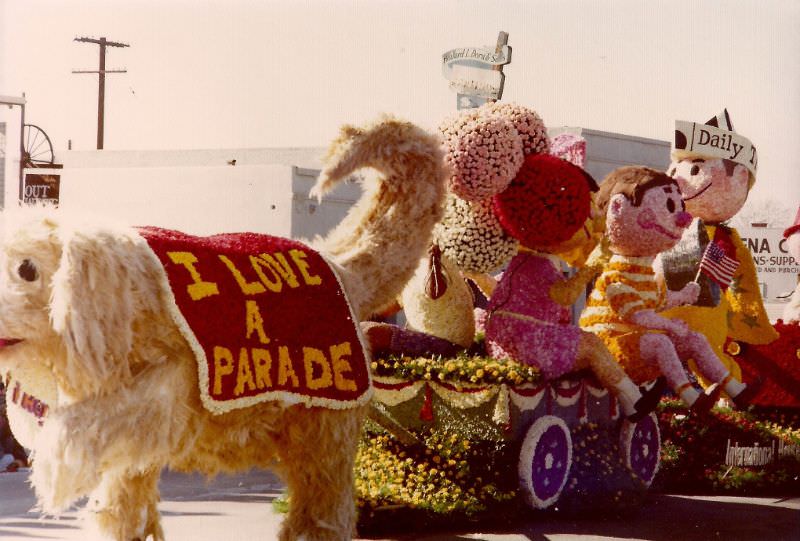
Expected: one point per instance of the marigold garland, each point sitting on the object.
(471, 235)
(459, 370)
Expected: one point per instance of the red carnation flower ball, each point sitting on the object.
(546, 203)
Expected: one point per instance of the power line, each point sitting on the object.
(103, 43)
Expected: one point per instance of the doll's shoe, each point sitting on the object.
(745, 398)
(649, 400)
(706, 400)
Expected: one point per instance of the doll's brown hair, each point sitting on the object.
(632, 182)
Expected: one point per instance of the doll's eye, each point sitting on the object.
(670, 205)
(27, 271)
(671, 172)
(694, 170)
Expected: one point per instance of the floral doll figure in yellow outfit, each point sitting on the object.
(644, 216)
(715, 168)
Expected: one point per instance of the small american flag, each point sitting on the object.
(719, 260)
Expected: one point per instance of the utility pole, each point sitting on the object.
(101, 71)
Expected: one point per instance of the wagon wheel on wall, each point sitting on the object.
(37, 150)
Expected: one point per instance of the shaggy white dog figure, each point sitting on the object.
(85, 302)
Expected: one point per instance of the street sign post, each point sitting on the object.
(476, 73)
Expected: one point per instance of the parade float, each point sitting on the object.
(479, 411)
(499, 427)
(490, 430)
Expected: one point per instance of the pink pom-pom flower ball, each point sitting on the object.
(483, 151)
(529, 125)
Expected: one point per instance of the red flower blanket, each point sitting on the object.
(266, 318)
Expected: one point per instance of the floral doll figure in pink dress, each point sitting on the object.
(548, 209)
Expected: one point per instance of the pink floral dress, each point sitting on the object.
(525, 324)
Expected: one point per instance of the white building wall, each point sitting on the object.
(197, 200)
(263, 190)
(310, 217)
(199, 191)
(607, 151)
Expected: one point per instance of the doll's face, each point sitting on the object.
(654, 226)
(712, 190)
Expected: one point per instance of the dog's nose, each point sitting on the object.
(682, 219)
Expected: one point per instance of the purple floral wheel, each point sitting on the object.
(545, 460)
(641, 447)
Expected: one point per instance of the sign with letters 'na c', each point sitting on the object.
(777, 270)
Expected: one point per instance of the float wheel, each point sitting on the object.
(641, 447)
(545, 460)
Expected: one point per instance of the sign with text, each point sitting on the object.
(267, 320)
(777, 269)
(41, 188)
(711, 141)
(475, 73)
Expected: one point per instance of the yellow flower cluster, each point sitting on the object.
(459, 370)
(786, 433)
(590, 453)
(439, 478)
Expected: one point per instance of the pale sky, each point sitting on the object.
(237, 73)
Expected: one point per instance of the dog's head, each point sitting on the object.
(69, 295)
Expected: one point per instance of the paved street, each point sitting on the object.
(238, 508)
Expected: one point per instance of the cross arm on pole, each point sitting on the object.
(98, 71)
(101, 79)
(102, 41)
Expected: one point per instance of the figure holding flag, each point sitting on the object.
(719, 260)
(715, 168)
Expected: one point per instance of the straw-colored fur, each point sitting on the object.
(129, 402)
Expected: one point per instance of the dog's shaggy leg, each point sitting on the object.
(134, 428)
(124, 507)
(317, 450)
(65, 468)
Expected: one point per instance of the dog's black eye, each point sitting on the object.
(27, 271)
(694, 170)
(670, 205)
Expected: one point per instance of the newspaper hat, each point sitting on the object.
(795, 227)
(715, 139)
